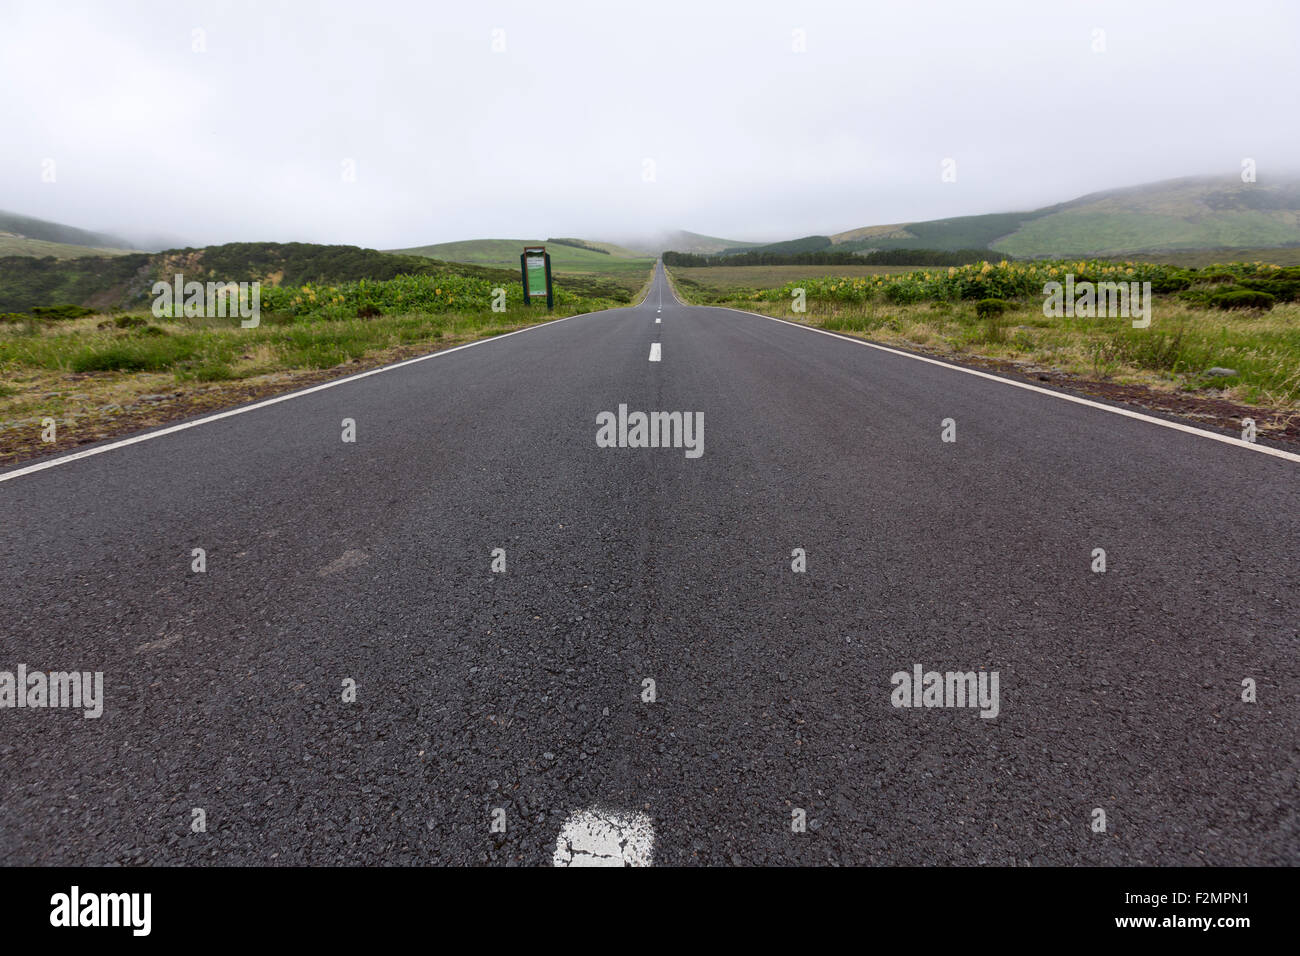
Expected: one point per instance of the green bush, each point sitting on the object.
(61, 312)
(1175, 280)
(904, 293)
(130, 322)
(985, 308)
(1242, 299)
(1284, 290)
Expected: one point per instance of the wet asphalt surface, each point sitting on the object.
(523, 691)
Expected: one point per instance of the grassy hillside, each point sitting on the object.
(961, 232)
(607, 261)
(505, 253)
(682, 241)
(11, 245)
(1182, 214)
(27, 227)
(789, 246)
(1200, 213)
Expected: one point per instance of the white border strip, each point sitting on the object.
(1176, 426)
(170, 429)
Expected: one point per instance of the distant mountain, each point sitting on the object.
(1178, 214)
(14, 229)
(1195, 213)
(13, 245)
(682, 241)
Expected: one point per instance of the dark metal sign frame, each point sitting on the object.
(536, 252)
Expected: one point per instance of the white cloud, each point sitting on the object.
(749, 140)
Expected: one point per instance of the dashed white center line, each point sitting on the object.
(596, 837)
(655, 353)
(657, 320)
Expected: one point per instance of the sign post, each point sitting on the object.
(535, 264)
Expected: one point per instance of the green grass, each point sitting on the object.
(939, 309)
(620, 265)
(961, 232)
(306, 327)
(18, 246)
(1118, 232)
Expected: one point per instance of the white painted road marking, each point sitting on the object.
(655, 353)
(657, 320)
(596, 837)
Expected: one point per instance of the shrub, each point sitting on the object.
(129, 322)
(1284, 290)
(985, 308)
(61, 312)
(1175, 280)
(1242, 299)
(904, 293)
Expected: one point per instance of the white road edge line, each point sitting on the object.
(1176, 426)
(656, 353)
(135, 439)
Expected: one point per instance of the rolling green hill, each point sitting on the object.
(1179, 214)
(504, 253)
(596, 259)
(683, 241)
(16, 227)
(11, 245)
(1193, 213)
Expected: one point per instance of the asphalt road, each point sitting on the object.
(522, 691)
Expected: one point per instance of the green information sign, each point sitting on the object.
(535, 264)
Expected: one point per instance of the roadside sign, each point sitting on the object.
(535, 265)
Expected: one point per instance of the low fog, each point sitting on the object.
(392, 124)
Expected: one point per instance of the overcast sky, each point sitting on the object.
(243, 131)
